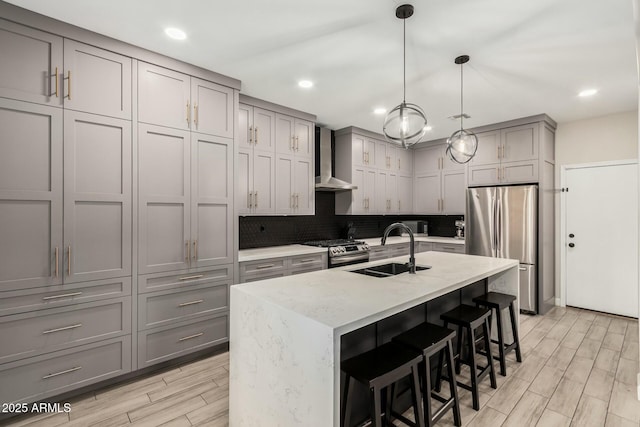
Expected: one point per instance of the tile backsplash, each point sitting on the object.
(261, 231)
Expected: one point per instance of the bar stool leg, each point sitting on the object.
(438, 384)
(503, 367)
(487, 343)
(426, 392)
(346, 403)
(415, 392)
(452, 385)
(460, 340)
(376, 407)
(514, 328)
(473, 367)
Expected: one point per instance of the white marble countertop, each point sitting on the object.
(277, 251)
(345, 301)
(256, 254)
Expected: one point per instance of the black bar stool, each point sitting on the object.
(378, 369)
(470, 318)
(498, 302)
(430, 339)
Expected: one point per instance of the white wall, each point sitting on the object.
(598, 139)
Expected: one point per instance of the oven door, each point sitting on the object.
(341, 261)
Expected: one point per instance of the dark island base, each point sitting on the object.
(370, 336)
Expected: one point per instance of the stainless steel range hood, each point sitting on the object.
(326, 182)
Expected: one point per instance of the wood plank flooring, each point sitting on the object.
(579, 369)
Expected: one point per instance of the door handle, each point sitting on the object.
(250, 135)
(571, 245)
(68, 84)
(195, 115)
(522, 268)
(56, 78)
(255, 130)
(188, 247)
(195, 249)
(69, 261)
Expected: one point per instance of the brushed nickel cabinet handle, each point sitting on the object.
(190, 337)
(57, 262)
(195, 115)
(195, 250)
(185, 304)
(188, 113)
(65, 328)
(442, 205)
(69, 261)
(72, 294)
(297, 200)
(197, 276)
(188, 247)
(68, 371)
(498, 173)
(255, 130)
(56, 77)
(297, 143)
(259, 267)
(292, 144)
(398, 163)
(250, 199)
(399, 205)
(250, 135)
(69, 84)
(255, 199)
(307, 260)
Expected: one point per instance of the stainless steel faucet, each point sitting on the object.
(412, 258)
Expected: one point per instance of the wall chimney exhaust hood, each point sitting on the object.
(326, 182)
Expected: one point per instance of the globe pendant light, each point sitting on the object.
(462, 144)
(405, 124)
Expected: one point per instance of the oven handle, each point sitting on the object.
(335, 261)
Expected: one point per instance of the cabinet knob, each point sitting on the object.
(571, 245)
(572, 235)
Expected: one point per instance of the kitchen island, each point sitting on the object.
(286, 334)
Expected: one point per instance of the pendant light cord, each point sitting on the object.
(461, 97)
(404, 60)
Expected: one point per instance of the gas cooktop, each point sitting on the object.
(330, 243)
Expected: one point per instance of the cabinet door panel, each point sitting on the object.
(520, 143)
(358, 203)
(427, 159)
(28, 65)
(264, 182)
(97, 197)
(453, 192)
(244, 180)
(392, 193)
(381, 199)
(405, 160)
(405, 194)
(30, 195)
(358, 153)
(100, 81)
(212, 105)
(284, 184)
(514, 172)
(245, 126)
(304, 187)
(211, 200)
(265, 129)
(483, 174)
(370, 179)
(163, 97)
(285, 133)
(382, 160)
(489, 144)
(427, 193)
(305, 134)
(164, 183)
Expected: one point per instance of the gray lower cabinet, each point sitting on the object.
(182, 313)
(252, 271)
(424, 246)
(36, 378)
(453, 248)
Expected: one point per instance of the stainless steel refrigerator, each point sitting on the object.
(502, 222)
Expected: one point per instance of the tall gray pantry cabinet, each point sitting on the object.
(116, 207)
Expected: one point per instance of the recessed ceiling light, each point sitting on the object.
(175, 33)
(379, 110)
(588, 92)
(305, 84)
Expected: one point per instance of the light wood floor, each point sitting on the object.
(579, 368)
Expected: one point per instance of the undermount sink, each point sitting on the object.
(386, 270)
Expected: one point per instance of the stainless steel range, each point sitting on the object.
(343, 252)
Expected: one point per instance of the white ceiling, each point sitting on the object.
(527, 57)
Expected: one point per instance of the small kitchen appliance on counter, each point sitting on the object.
(459, 229)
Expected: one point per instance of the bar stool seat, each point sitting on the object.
(470, 318)
(498, 301)
(430, 339)
(380, 368)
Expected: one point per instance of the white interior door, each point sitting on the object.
(601, 235)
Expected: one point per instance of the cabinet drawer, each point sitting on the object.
(160, 308)
(35, 378)
(424, 246)
(264, 266)
(14, 302)
(161, 281)
(398, 250)
(254, 277)
(30, 334)
(308, 262)
(443, 247)
(168, 342)
(378, 252)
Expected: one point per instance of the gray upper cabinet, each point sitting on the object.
(96, 80)
(30, 195)
(97, 197)
(185, 199)
(176, 100)
(164, 97)
(31, 64)
(164, 185)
